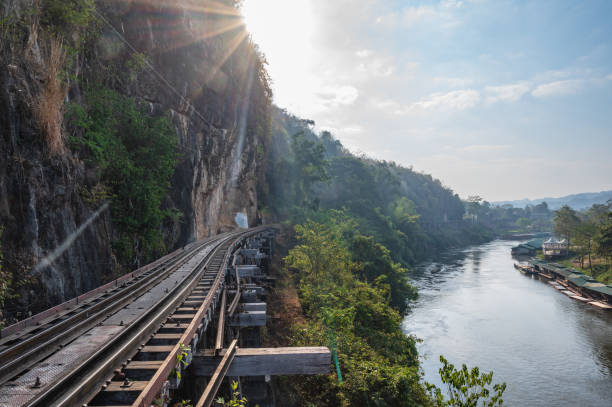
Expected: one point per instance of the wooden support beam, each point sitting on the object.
(254, 306)
(249, 318)
(217, 377)
(249, 271)
(221, 324)
(267, 361)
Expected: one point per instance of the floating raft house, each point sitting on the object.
(584, 286)
(528, 248)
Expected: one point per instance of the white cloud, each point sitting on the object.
(364, 53)
(414, 15)
(564, 87)
(506, 93)
(443, 14)
(454, 82)
(354, 129)
(334, 96)
(386, 104)
(451, 4)
(457, 99)
(376, 67)
(609, 77)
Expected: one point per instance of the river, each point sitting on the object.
(475, 308)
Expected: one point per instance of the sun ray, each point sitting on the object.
(212, 20)
(231, 48)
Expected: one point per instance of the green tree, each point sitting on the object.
(523, 223)
(566, 223)
(466, 387)
(603, 239)
(311, 166)
(379, 363)
(585, 233)
(374, 261)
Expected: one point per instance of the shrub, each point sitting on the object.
(135, 154)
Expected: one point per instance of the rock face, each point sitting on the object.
(188, 59)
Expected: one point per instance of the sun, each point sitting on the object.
(284, 32)
(278, 24)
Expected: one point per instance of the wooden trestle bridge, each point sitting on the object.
(124, 343)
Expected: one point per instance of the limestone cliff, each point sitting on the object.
(190, 60)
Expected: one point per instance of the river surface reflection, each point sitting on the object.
(475, 308)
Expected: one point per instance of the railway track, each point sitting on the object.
(22, 350)
(131, 366)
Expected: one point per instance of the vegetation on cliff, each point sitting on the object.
(135, 155)
(4, 283)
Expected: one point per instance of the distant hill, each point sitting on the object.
(576, 201)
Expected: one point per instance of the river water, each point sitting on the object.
(475, 308)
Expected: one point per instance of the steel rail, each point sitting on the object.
(24, 354)
(221, 323)
(217, 378)
(236, 300)
(79, 383)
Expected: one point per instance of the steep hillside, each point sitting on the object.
(410, 213)
(85, 82)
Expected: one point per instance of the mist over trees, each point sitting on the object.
(412, 214)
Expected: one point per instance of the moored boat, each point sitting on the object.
(526, 270)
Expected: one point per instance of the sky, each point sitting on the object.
(502, 99)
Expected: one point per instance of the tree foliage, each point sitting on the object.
(604, 238)
(378, 362)
(135, 156)
(591, 234)
(411, 214)
(66, 16)
(466, 387)
(566, 222)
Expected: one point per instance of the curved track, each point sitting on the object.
(144, 349)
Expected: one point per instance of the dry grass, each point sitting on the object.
(48, 106)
